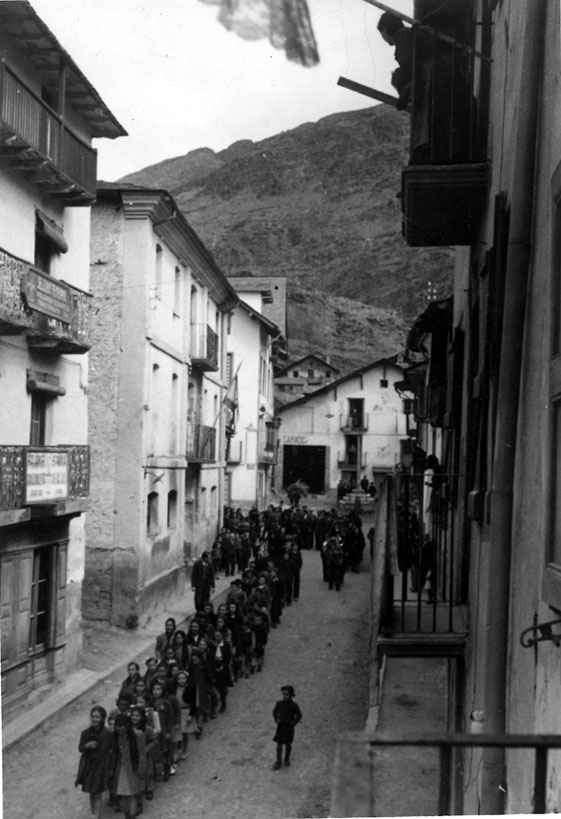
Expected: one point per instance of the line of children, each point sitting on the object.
(186, 684)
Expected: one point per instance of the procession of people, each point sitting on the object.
(158, 711)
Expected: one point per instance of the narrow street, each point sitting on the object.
(321, 648)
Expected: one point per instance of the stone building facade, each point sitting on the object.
(157, 385)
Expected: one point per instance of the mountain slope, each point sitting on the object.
(318, 204)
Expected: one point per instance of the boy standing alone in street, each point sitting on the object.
(287, 714)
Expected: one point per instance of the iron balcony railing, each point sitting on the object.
(267, 455)
(201, 442)
(53, 314)
(372, 771)
(355, 422)
(204, 347)
(444, 109)
(351, 459)
(42, 138)
(43, 475)
(423, 563)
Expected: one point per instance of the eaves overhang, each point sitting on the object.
(168, 221)
(43, 52)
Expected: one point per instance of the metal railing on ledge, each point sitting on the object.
(201, 443)
(53, 314)
(353, 423)
(441, 93)
(421, 557)
(351, 459)
(267, 455)
(204, 347)
(35, 474)
(371, 775)
(29, 127)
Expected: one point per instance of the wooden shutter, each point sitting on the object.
(59, 612)
(23, 604)
(8, 588)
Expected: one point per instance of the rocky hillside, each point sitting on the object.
(318, 204)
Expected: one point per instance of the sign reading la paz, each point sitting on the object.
(46, 476)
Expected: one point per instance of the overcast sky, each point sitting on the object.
(177, 80)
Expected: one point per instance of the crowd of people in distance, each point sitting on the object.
(186, 682)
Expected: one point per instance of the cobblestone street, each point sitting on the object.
(321, 648)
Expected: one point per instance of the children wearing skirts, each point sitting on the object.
(94, 748)
(287, 714)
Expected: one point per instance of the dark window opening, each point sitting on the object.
(152, 514)
(37, 433)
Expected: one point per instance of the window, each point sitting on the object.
(295, 373)
(356, 414)
(194, 305)
(49, 241)
(213, 500)
(41, 590)
(172, 509)
(158, 272)
(152, 514)
(177, 293)
(310, 373)
(38, 419)
(173, 413)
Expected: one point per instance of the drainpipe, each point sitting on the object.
(501, 494)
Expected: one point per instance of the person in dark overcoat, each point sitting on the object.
(202, 580)
(287, 715)
(94, 748)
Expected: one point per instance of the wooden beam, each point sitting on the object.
(438, 34)
(366, 91)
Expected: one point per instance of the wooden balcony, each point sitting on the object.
(444, 186)
(442, 204)
(36, 140)
(201, 443)
(39, 481)
(204, 347)
(52, 314)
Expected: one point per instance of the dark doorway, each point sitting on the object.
(304, 463)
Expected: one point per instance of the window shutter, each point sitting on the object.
(23, 606)
(8, 585)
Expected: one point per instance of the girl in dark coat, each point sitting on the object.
(287, 714)
(197, 693)
(221, 662)
(93, 770)
(128, 763)
(181, 649)
(128, 686)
